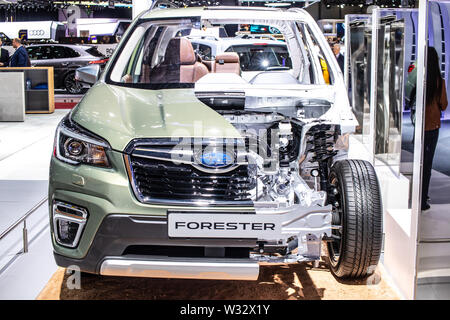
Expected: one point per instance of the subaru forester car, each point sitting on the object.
(172, 168)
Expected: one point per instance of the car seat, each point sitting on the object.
(227, 62)
(180, 64)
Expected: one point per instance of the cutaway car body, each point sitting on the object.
(176, 167)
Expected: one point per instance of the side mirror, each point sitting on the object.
(88, 74)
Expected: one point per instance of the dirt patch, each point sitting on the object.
(290, 282)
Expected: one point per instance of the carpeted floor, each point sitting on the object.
(289, 282)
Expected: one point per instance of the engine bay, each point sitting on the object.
(288, 157)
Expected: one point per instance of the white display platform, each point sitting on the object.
(400, 250)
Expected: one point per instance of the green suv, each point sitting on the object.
(175, 167)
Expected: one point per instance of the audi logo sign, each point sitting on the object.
(37, 34)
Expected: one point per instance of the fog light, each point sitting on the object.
(68, 223)
(67, 231)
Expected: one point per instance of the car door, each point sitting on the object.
(57, 61)
(73, 58)
(47, 56)
(40, 56)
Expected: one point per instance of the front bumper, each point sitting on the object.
(136, 238)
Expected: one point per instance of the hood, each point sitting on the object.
(121, 114)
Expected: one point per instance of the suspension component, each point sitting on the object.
(322, 148)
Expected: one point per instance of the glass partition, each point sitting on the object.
(389, 89)
(357, 69)
(433, 250)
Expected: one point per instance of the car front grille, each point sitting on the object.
(164, 181)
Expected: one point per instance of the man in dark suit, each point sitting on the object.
(339, 57)
(4, 56)
(20, 57)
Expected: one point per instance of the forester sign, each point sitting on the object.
(216, 225)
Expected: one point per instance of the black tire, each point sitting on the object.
(71, 85)
(357, 208)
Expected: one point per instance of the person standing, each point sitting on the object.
(20, 57)
(4, 56)
(435, 102)
(339, 57)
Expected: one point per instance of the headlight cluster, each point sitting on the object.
(76, 145)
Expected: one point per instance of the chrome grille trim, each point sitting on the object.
(201, 184)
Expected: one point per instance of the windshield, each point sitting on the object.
(175, 53)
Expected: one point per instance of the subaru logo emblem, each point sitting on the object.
(215, 159)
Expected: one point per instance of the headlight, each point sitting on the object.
(76, 145)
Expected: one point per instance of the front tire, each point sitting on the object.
(357, 209)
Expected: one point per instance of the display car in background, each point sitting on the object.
(172, 168)
(65, 59)
(256, 53)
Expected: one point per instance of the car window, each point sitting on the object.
(94, 52)
(70, 53)
(46, 53)
(261, 57)
(34, 53)
(139, 65)
(58, 52)
(324, 64)
(195, 45)
(159, 54)
(205, 52)
(309, 73)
